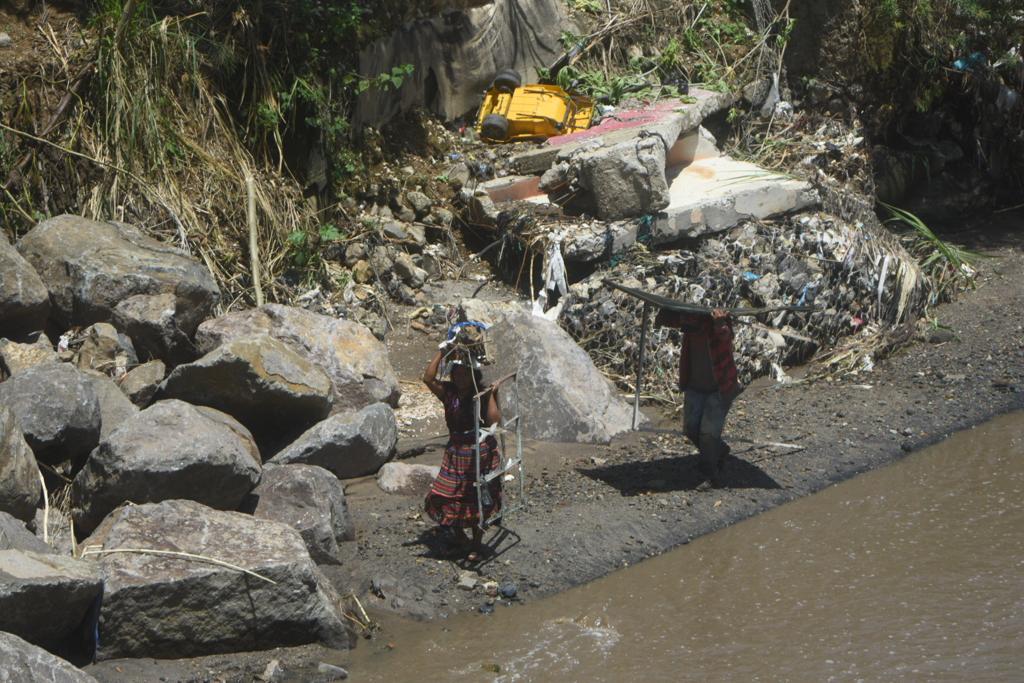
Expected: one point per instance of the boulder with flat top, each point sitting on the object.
(246, 584)
(45, 597)
(354, 360)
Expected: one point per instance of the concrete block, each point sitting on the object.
(668, 117)
(512, 188)
(695, 145)
(708, 196)
(716, 194)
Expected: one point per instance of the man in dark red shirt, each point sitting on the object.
(707, 377)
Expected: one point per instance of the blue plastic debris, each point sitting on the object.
(751, 277)
(975, 60)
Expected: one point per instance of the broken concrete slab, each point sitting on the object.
(716, 194)
(695, 145)
(707, 196)
(512, 188)
(668, 118)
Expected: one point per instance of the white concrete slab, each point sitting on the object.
(708, 196)
(712, 195)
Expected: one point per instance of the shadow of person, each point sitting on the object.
(441, 544)
(677, 473)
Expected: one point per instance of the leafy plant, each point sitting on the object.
(592, 6)
(947, 264)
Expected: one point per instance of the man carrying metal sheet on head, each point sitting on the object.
(707, 378)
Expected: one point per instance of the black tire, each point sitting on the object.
(494, 127)
(507, 81)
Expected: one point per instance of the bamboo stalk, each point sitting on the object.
(46, 510)
(181, 555)
(254, 246)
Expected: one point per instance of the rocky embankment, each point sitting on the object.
(173, 481)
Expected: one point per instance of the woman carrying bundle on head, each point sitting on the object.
(452, 501)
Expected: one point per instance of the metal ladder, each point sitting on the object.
(507, 463)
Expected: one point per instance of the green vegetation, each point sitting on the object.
(173, 103)
(910, 45)
(659, 46)
(948, 265)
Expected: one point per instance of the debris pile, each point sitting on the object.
(859, 276)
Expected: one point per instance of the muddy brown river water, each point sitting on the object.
(911, 572)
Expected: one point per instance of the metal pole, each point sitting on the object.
(519, 443)
(640, 366)
(479, 488)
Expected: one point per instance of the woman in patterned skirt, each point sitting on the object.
(452, 501)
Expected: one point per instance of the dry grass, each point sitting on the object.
(150, 141)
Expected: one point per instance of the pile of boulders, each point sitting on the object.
(400, 256)
(170, 478)
(858, 277)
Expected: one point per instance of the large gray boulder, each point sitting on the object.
(45, 597)
(20, 487)
(56, 409)
(161, 326)
(259, 381)
(24, 300)
(172, 607)
(347, 444)
(458, 53)
(90, 267)
(115, 407)
(347, 351)
(562, 395)
(21, 661)
(309, 499)
(14, 535)
(168, 451)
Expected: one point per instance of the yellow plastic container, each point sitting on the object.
(532, 112)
